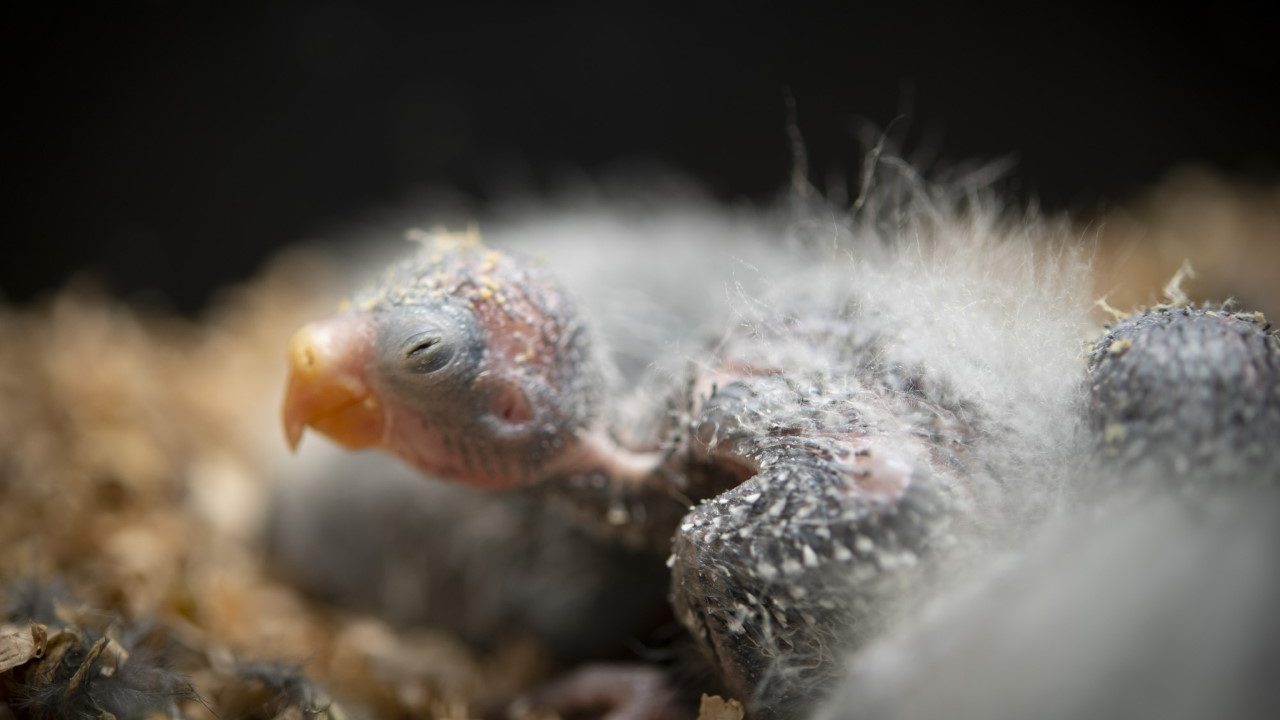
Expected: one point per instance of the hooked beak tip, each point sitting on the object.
(326, 389)
(293, 434)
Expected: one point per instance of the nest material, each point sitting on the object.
(131, 496)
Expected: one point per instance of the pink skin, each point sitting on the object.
(335, 389)
(876, 468)
(527, 325)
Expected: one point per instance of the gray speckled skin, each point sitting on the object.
(780, 575)
(1189, 392)
(849, 485)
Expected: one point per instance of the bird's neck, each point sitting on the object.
(626, 495)
(596, 451)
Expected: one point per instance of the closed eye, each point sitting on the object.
(428, 354)
(423, 346)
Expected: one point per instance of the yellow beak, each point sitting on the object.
(326, 388)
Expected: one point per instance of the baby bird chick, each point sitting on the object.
(804, 470)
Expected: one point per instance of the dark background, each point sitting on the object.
(167, 148)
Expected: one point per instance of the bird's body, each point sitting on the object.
(902, 391)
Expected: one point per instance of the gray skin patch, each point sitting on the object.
(430, 355)
(781, 575)
(1188, 393)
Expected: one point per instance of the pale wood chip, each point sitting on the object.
(714, 707)
(18, 646)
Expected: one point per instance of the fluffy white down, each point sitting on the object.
(990, 303)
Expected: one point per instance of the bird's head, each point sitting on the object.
(467, 363)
